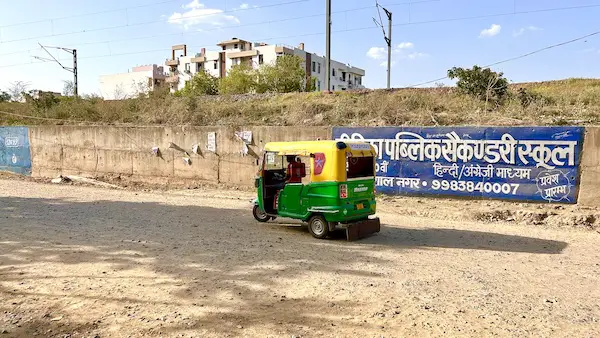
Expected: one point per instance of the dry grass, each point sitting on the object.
(572, 101)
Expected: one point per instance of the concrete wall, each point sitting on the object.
(127, 151)
(589, 185)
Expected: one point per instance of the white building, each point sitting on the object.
(235, 51)
(140, 80)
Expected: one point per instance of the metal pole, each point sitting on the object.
(328, 46)
(75, 85)
(389, 43)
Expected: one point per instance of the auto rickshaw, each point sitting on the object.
(337, 191)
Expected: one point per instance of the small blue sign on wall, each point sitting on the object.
(15, 155)
(516, 163)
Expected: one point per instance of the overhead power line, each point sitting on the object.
(516, 57)
(151, 22)
(225, 27)
(318, 15)
(512, 13)
(88, 14)
(283, 37)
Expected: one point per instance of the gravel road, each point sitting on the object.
(89, 262)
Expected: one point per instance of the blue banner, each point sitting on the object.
(15, 155)
(515, 163)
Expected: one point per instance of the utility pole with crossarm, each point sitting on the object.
(69, 69)
(388, 40)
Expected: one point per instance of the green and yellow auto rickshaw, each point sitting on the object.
(336, 191)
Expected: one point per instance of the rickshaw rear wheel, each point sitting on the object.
(260, 215)
(318, 227)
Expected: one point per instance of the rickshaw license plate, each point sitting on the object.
(360, 206)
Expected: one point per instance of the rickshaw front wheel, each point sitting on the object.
(318, 227)
(260, 215)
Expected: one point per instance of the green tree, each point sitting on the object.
(201, 84)
(312, 84)
(482, 83)
(284, 76)
(240, 79)
(4, 97)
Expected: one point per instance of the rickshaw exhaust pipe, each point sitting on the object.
(362, 229)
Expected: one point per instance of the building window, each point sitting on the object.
(235, 46)
(224, 47)
(261, 59)
(187, 67)
(343, 76)
(199, 66)
(216, 65)
(319, 68)
(319, 85)
(333, 72)
(314, 67)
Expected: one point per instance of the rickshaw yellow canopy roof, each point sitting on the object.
(305, 148)
(335, 166)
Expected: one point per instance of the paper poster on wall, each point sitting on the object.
(212, 142)
(245, 136)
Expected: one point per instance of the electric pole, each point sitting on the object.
(389, 43)
(328, 46)
(75, 84)
(69, 69)
(388, 40)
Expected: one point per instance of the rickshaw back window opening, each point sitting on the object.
(274, 162)
(357, 167)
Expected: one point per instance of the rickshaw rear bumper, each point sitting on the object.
(361, 229)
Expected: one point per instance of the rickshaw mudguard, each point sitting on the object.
(362, 229)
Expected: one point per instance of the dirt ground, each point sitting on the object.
(78, 261)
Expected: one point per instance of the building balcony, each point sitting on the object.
(356, 71)
(198, 59)
(284, 50)
(244, 54)
(356, 86)
(172, 79)
(172, 62)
